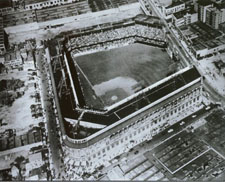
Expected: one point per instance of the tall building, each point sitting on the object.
(176, 6)
(215, 16)
(221, 8)
(202, 7)
(185, 17)
(2, 37)
(222, 27)
(211, 12)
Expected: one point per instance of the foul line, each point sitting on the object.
(92, 87)
(84, 74)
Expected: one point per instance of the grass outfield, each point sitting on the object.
(124, 70)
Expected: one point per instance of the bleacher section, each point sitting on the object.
(117, 33)
(144, 29)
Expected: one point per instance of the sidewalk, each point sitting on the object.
(49, 112)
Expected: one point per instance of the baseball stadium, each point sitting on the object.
(112, 68)
(111, 79)
(109, 71)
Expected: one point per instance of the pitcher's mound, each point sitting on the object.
(114, 98)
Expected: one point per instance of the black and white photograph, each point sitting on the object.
(112, 90)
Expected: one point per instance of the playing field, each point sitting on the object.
(112, 75)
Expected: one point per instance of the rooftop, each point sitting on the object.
(205, 2)
(202, 36)
(5, 3)
(182, 13)
(175, 3)
(12, 55)
(222, 24)
(35, 157)
(220, 6)
(34, 1)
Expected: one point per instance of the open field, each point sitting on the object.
(118, 73)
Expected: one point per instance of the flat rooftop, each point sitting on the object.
(27, 2)
(181, 14)
(175, 3)
(204, 2)
(202, 36)
(5, 3)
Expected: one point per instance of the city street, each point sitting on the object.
(49, 114)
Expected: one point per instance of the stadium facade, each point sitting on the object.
(135, 120)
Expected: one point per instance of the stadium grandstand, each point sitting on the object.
(139, 29)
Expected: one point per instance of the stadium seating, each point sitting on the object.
(106, 37)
